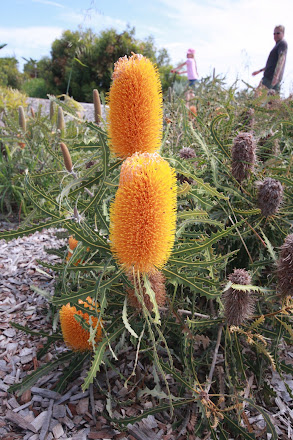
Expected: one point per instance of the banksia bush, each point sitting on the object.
(143, 214)
(157, 281)
(74, 335)
(238, 304)
(21, 118)
(135, 107)
(66, 157)
(285, 268)
(243, 156)
(97, 106)
(270, 195)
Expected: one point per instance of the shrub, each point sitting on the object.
(35, 88)
(11, 99)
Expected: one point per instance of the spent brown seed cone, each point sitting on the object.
(157, 281)
(238, 304)
(270, 195)
(285, 268)
(243, 156)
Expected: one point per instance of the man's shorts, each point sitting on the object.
(268, 84)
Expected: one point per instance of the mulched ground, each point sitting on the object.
(42, 414)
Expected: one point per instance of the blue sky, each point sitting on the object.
(232, 36)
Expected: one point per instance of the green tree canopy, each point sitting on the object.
(9, 73)
(84, 61)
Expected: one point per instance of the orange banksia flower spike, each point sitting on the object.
(135, 107)
(143, 214)
(74, 335)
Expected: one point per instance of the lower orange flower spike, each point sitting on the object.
(76, 337)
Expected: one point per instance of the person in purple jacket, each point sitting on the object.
(274, 70)
(191, 68)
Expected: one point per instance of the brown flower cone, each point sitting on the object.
(243, 156)
(270, 195)
(97, 106)
(33, 112)
(60, 121)
(187, 153)
(21, 118)
(66, 157)
(285, 268)
(157, 281)
(52, 110)
(239, 304)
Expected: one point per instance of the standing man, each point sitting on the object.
(274, 70)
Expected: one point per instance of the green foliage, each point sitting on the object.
(9, 73)
(35, 88)
(219, 228)
(11, 99)
(82, 61)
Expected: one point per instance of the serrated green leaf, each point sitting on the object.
(99, 352)
(73, 297)
(201, 263)
(125, 319)
(157, 409)
(237, 429)
(152, 296)
(220, 144)
(9, 235)
(73, 367)
(32, 378)
(191, 249)
(174, 276)
(35, 333)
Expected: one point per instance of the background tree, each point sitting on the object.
(9, 73)
(82, 61)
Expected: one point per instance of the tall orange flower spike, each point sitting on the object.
(143, 214)
(74, 335)
(135, 107)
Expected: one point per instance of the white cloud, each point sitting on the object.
(92, 19)
(48, 2)
(30, 42)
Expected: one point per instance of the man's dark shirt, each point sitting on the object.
(280, 47)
